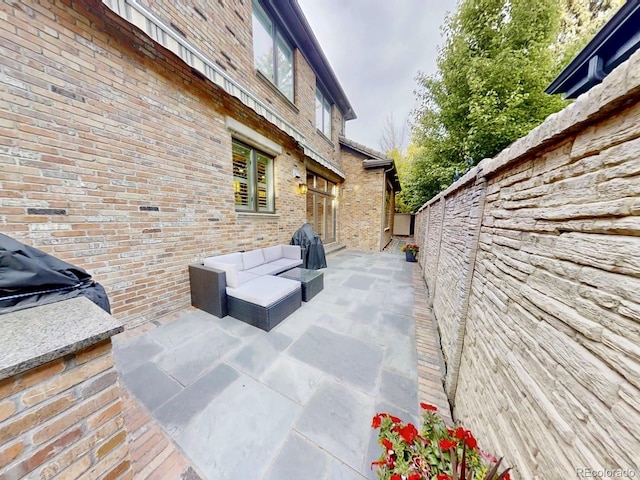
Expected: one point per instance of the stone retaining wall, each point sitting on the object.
(531, 261)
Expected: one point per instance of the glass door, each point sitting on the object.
(321, 206)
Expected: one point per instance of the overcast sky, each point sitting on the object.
(376, 49)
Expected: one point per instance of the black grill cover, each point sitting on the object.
(29, 277)
(308, 239)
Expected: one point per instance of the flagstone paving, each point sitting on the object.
(296, 402)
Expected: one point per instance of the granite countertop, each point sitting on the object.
(34, 336)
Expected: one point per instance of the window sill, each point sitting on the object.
(321, 133)
(277, 91)
(257, 214)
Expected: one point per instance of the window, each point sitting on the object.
(323, 113)
(252, 179)
(267, 39)
(388, 205)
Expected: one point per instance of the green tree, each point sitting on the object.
(492, 73)
(498, 57)
(579, 22)
(421, 179)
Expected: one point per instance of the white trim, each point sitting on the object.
(311, 153)
(143, 18)
(240, 213)
(253, 138)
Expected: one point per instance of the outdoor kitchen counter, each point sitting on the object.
(34, 336)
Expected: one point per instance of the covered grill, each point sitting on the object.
(30, 277)
(308, 239)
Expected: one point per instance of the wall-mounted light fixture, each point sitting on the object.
(302, 188)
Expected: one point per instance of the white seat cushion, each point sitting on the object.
(244, 277)
(266, 269)
(252, 259)
(272, 254)
(230, 270)
(264, 290)
(287, 263)
(232, 258)
(291, 251)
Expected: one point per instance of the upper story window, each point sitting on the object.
(272, 55)
(323, 113)
(252, 179)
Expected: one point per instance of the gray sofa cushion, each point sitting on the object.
(266, 269)
(231, 258)
(286, 264)
(252, 259)
(272, 253)
(264, 290)
(291, 251)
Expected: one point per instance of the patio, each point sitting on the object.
(296, 402)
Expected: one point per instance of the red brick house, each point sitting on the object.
(138, 136)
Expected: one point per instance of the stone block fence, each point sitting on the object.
(532, 263)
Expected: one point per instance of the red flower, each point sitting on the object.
(447, 444)
(415, 476)
(443, 476)
(471, 442)
(388, 445)
(394, 419)
(426, 406)
(378, 463)
(395, 476)
(460, 433)
(408, 432)
(377, 420)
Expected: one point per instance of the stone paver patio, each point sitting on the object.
(296, 402)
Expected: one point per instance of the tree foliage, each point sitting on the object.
(579, 22)
(498, 57)
(393, 136)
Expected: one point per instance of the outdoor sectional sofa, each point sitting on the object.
(245, 286)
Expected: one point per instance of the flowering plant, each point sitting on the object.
(413, 248)
(434, 453)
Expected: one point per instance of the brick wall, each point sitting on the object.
(116, 158)
(537, 285)
(226, 37)
(361, 204)
(64, 420)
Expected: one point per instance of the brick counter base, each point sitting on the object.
(64, 419)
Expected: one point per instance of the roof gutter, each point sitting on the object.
(613, 44)
(309, 46)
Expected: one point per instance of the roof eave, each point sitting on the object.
(362, 149)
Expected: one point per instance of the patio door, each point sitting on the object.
(321, 206)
